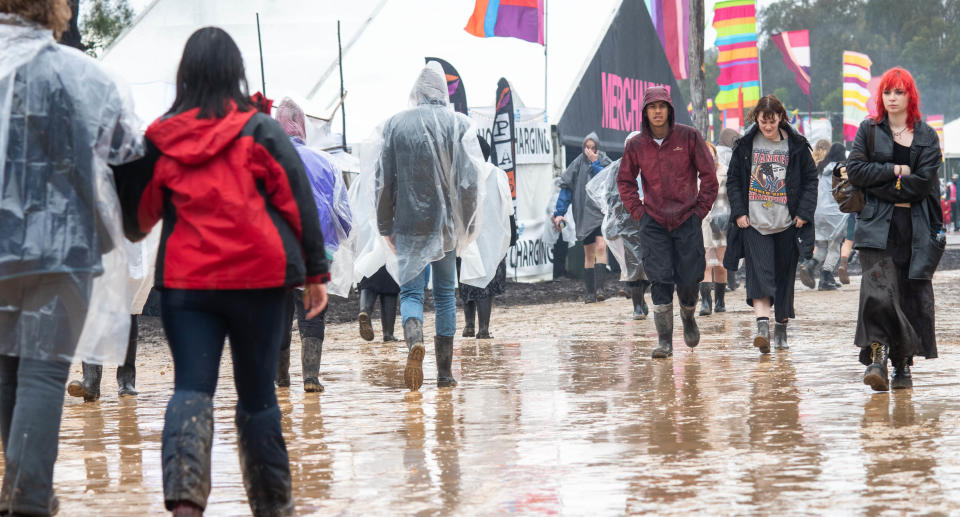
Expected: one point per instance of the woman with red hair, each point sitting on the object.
(895, 159)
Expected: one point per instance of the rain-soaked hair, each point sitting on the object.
(52, 14)
(769, 106)
(291, 118)
(211, 75)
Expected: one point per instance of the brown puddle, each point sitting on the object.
(565, 412)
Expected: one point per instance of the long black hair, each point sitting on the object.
(837, 153)
(211, 75)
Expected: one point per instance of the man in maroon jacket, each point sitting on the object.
(670, 156)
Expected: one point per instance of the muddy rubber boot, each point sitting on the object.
(719, 292)
(388, 316)
(589, 283)
(706, 303)
(484, 310)
(807, 271)
(413, 335)
(87, 387)
(264, 462)
(127, 372)
(186, 443)
(283, 369)
(600, 272)
(826, 282)
(732, 281)
(469, 318)
(761, 339)
(443, 346)
(367, 297)
(901, 375)
(663, 320)
(310, 353)
(876, 374)
(780, 336)
(691, 333)
(640, 309)
(842, 273)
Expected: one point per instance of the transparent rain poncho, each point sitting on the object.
(481, 258)
(550, 233)
(62, 122)
(621, 231)
(829, 221)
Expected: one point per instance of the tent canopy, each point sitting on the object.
(951, 139)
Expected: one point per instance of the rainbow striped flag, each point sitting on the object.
(671, 18)
(936, 122)
(736, 25)
(795, 47)
(522, 19)
(856, 77)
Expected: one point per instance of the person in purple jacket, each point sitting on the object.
(330, 195)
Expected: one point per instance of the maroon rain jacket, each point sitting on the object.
(669, 171)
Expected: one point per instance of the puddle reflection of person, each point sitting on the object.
(447, 429)
(130, 442)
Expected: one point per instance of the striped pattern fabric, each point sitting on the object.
(736, 25)
(856, 77)
(522, 19)
(795, 47)
(671, 18)
(936, 122)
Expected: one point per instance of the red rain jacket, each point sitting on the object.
(237, 208)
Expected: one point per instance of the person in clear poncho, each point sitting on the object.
(830, 225)
(62, 266)
(427, 195)
(714, 228)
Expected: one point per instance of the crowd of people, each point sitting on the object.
(251, 220)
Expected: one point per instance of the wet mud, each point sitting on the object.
(564, 412)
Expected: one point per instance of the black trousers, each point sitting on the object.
(673, 258)
(772, 268)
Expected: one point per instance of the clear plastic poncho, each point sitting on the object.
(568, 230)
(621, 231)
(481, 258)
(58, 202)
(829, 221)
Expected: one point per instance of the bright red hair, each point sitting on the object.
(899, 78)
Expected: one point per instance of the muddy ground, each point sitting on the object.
(565, 412)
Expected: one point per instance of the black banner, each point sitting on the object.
(609, 97)
(504, 148)
(458, 95)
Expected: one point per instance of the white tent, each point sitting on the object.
(384, 42)
(951, 139)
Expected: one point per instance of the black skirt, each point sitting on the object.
(497, 286)
(771, 262)
(895, 310)
(381, 283)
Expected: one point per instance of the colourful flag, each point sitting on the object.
(736, 25)
(856, 76)
(521, 19)
(936, 122)
(671, 18)
(795, 47)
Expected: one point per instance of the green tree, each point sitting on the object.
(102, 22)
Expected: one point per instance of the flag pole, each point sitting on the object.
(263, 78)
(546, 26)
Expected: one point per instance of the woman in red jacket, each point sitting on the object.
(240, 228)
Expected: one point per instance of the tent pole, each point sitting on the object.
(263, 78)
(343, 108)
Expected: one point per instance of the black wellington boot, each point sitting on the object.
(691, 333)
(367, 297)
(826, 282)
(388, 316)
(719, 292)
(601, 278)
(310, 353)
(706, 303)
(663, 319)
(484, 310)
(901, 375)
(186, 444)
(761, 339)
(283, 369)
(413, 335)
(264, 462)
(780, 336)
(589, 281)
(127, 372)
(876, 374)
(89, 386)
(469, 319)
(443, 346)
(640, 309)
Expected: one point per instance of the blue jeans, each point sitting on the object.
(444, 301)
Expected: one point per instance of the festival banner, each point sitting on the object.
(856, 77)
(671, 19)
(503, 137)
(738, 58)
(522, 19)
(458, 94)
(795, 47)
(936, 122)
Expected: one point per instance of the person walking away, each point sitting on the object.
(428, 192)
(333, 208)
(383, 285)
(63, 120)
(586, 215)
(899, 233)
(772, 185)
(240, 228)
(715, 245)
(830, 225)
(672, 156)
(728, 138)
